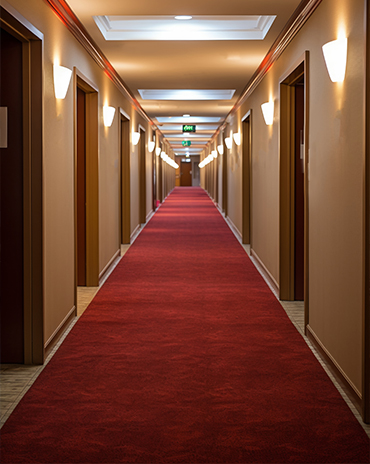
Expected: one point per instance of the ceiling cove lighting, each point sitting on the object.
(151, 145)
(62, 78)
(135, 138)
(236, 138)
(220, 149)
(158, 151)
(268, 112)
(335, 54)
(108, 115)
(193, 119)
(200, 27)
(228, 142)
(186, 94)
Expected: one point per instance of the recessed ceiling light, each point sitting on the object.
(216, 27)
(186, 94)
(194, 119)
(186, 115)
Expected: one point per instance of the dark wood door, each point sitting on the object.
(186, 174)
(299, 195)
(154, 180)
(81, 187)
(125, 180)
(11, 204)
(142, 178)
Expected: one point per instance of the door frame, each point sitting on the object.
(154, 175)
(246, 177)
(92, 177)
(125, 179)
(142, 175)
(286, 175)
(366, 282)
(224, 176)
(32, 49)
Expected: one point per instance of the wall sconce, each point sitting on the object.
(135, 138)
(163, 155)
(158, 151)
(220, 149)
(335, 54)
(236, 137)
(151, 145)
(62, 78)
(214, 154)
(268, 112)
(228, 142)
(108, 115)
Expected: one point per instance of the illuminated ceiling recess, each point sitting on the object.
(186, 94)
(117, 27)
(253, 28)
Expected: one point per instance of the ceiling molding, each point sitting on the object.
(71, 21)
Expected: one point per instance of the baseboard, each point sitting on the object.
(233, 227)
(265, 273)
(149, 215)
(111, 263)
(336, 370)
(59, 331)
(135, 233)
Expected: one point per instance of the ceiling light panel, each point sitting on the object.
(186, 94)
(191, 120)
(178, 128)
(187, 136)
(117, 27)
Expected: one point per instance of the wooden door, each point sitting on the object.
(246, 175)
(299, 194)
(186, 174)
(81, 187)
(125, 181)
(11, 204)
(142, 178)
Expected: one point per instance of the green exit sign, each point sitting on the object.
(188, 128)
(186, 143)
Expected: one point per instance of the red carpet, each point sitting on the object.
(184, 356)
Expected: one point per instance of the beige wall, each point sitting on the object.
(59, 251)
(336, 144)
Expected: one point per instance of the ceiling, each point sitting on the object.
(157, 52)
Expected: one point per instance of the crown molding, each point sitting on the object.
(70, 20)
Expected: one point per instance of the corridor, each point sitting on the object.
(185, 231)
(182, 356)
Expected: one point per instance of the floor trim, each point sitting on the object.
(112, 263)
(265, 273)
(59, 331)
(351, 391)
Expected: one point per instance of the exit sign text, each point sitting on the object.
(188, 128)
